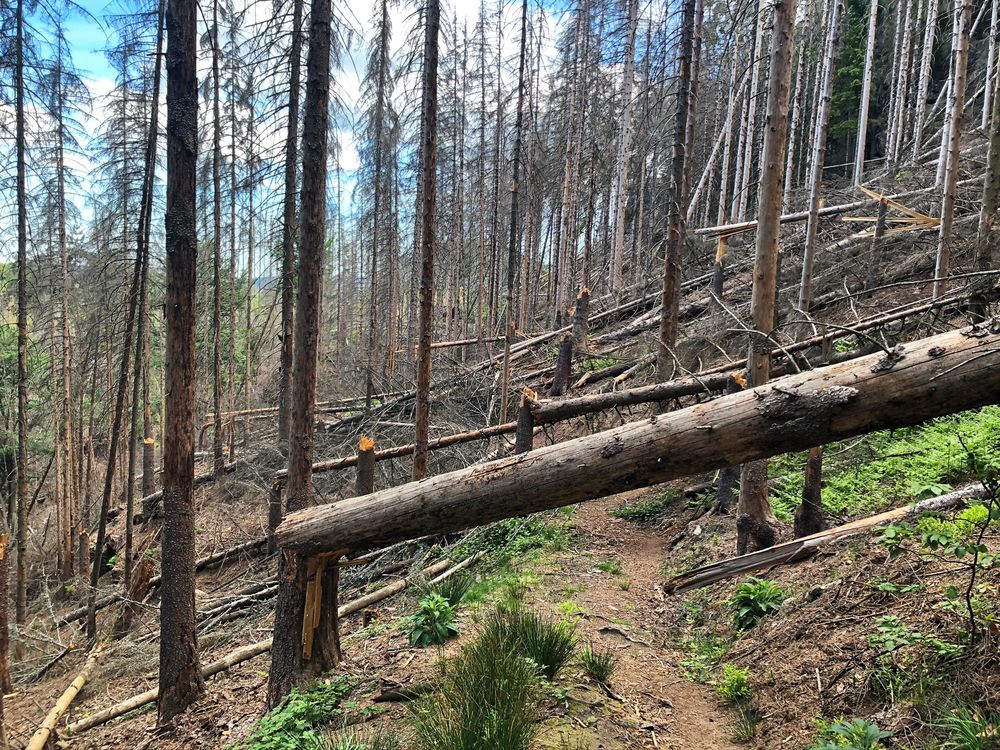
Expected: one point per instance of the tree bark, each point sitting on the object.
(819, 155)
(753, 503)
(288, 227)
(289, 661)
(676, 234)
(563, 368)
(986, 235)
(960, 57)
(624, 144)
(809, 514)
(428, 161)
(866, 92)
(180, 682)
(939, 375)
(20, 145)
(364, 483)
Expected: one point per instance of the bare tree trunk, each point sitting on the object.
(624, 143)
(960, 57)
(756, 519)
(991, 64)
(428, 160)
(677, 199)
(866, 93)
(180, 681)
(515, 187)
(986, 235)
(288, 226)
(21, 593)
(217, 458)
(289, 657)
(809, 514)
(819, 155)
(924, 83)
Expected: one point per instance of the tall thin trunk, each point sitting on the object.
(217, 425)
(756, 518)
(425, 209)
(288, 662)
(20, 140)
(924, 83)
(819, 155)
(866, 94)
(676, 198)
(987, 240)
(180, 682)
(288, 226)
(512, 264)
(380, 104)
(991, 63)
(960, 57)
(624, 143)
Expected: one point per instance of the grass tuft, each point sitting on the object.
(599, 663)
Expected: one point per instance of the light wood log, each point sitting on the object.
(41, 736)
(798, 549)
(931, 377)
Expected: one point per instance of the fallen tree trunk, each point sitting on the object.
(440, 569)
(927, 378)
(40, 738)
(798, 549)
(746, 226)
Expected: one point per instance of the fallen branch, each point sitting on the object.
(797, 549)
(246, 653)
(41, 737)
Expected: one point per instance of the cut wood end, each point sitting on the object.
(739, 377)
(366, 444)
(529, 394)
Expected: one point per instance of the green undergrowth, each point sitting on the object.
(648, 511)
(300, 721)
(870, 474)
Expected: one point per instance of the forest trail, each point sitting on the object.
(623, 608)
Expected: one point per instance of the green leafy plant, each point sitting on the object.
(434, 623)
(296, 723)
(856, 734)
(599, 663)
(734, 686)
(754, 600)
(969, 729)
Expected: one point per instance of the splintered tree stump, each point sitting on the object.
(809, 514)
(524, 437)
(564, 364)
(364, 482)
(137, 591)
(580, 320)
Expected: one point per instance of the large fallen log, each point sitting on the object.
(923, 379)
(798, 549)
(439, 569)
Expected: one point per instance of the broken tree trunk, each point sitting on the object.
(940, 375)
(564, 365)
(364, 481)
(809, 514)
(525, 435)
(798, 549)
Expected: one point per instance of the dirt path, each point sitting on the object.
(612, 579)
